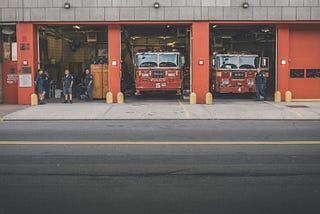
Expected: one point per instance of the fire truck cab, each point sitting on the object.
(158, 71)
(235, 73)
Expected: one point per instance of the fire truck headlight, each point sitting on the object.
(250, 82)
(145, 75)
(171, 74)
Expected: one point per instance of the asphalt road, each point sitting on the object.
(161, 130)
(160, 179)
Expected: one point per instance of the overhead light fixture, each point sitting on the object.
(265, 30)
(245, 5)
(168, 26)
(7, 31)
(214, 26)
(164, 38)
(156, 5)
(67, 5)
(133, 38)
(76, 27)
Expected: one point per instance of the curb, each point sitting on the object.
(153, 119)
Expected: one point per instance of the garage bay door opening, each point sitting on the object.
(155, 61)
(237, 52)
(75, 47)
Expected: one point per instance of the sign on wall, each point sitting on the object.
(25, 80)
(7, 50)
(14, 51)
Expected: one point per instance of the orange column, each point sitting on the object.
(200, 60)
(114, 41)
(27, 61)
(283, 59)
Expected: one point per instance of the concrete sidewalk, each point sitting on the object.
(169, 109)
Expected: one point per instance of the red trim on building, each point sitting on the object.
(282, 61)
(200, 60)
(27, 51)
(114, 48)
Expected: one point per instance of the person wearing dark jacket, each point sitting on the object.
(260, 82)
(47, 83)
(39, 86)
(67, 86)
(88, 82)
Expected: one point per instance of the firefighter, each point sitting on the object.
(67, 86)
(88, 82)
(260, 82)
(39, 85)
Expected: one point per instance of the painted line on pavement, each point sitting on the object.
(306, 100)
(162, 143)
(296, 113)
(186, 112)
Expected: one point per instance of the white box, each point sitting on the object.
(58, 93)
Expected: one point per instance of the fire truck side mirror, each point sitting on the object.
(183, 60)
(264, 63)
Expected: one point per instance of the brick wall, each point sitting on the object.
(170, 10)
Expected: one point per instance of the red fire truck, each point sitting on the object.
(158, 71)
(235, 73)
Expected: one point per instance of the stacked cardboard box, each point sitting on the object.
(100, 80)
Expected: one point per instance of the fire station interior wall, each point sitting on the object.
(304, 62)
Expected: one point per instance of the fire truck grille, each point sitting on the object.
(158, 74)
(238, 75)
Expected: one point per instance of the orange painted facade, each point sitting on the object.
(200, 60)
(282, 61)
(298, 47)
(27, 52)
(304, 54)
(10, 82)
(114, 37)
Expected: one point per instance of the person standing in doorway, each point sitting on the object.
(88, 80)
(67, 86)
(260, 82)
(39, 85)
(47, 83)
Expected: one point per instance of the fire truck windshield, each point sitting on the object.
(157, 60)
(247, 62)
(237, 62)
(168, 60)
(147, 60)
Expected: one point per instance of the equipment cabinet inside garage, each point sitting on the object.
(100, 80)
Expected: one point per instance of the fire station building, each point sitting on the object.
(105, 35)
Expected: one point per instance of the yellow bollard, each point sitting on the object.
(34, 99)
(109, 98)
(120, 98)
(288, 96)
(209, 98)
(277, 97)
(193, 98)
